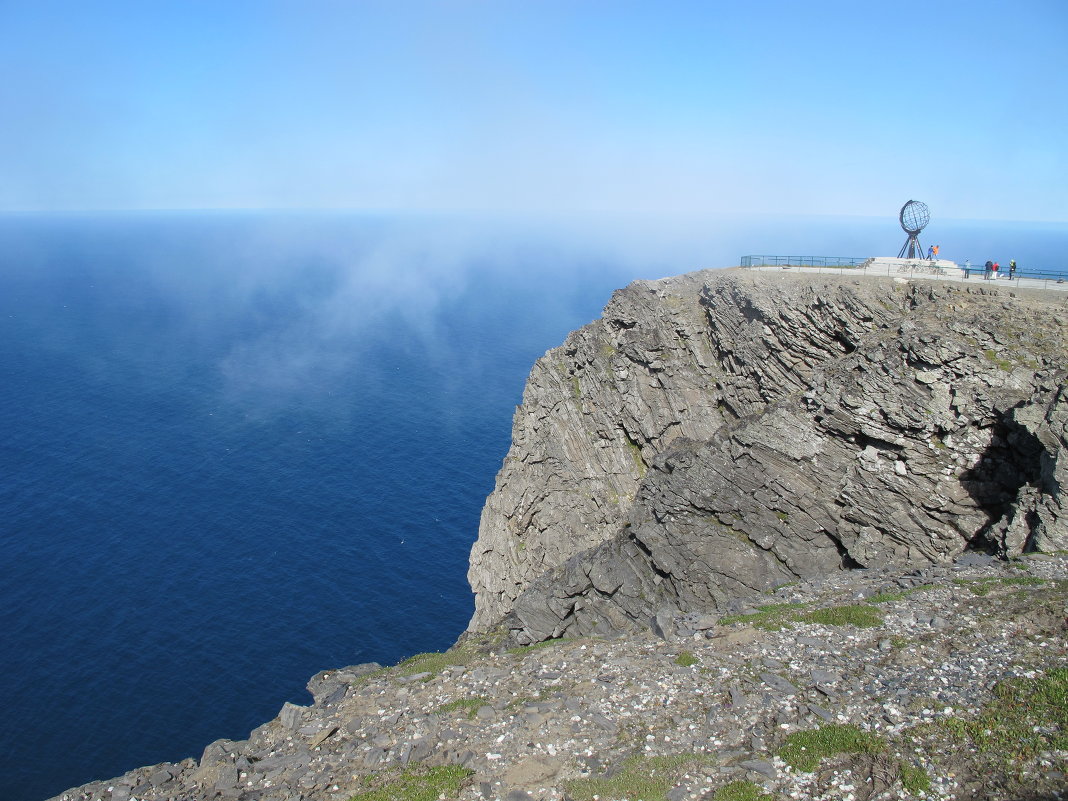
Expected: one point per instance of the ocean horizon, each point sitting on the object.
(240, 448)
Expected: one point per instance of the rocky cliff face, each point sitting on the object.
(723, 432)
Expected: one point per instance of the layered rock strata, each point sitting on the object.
(727, 431)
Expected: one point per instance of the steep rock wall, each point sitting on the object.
(787, 425)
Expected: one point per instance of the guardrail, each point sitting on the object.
(916, 268)
(802, 261)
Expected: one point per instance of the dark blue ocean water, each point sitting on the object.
(238, 449)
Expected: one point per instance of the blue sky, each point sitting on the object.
(537, 107)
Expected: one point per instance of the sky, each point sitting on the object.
(575, 108)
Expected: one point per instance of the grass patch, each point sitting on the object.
(526, 649)
(472, 706)
(803, 750)
(641, 779)
(1002, 364)
(984, 586)
(1026, 717)
(741, 790)
(774, 617)
(433, 662)
(686, 659)
(900, 595)
(419, 784)
(913, 779)
(770, 617)
(859, 615)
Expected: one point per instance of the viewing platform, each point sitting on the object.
(908, 269)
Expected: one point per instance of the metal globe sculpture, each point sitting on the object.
(914, 217)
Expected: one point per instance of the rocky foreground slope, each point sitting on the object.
(948, 682)
(780, 536)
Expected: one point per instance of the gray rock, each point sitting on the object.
(778, 683)
(761, 766)
(973, 559)
(290, 716)
(820, 676)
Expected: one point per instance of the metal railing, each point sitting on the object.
(801, 261)
(914, 268)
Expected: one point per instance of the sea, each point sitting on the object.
(238, 448)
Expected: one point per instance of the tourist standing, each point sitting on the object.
(994, 270)
(1012, 269)
(986, 270)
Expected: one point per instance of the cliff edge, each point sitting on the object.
(724, 432)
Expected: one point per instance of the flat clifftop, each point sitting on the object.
(729, 431)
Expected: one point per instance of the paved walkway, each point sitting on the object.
(894, 271)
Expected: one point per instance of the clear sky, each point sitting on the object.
(537, 106)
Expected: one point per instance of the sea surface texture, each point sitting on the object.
(238, 449)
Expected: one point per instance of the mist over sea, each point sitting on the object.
(237, 449)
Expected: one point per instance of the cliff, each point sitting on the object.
(826, 515)
(725, 432)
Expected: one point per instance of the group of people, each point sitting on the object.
(932, 252)
(992, 268)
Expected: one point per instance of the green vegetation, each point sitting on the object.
(635, 454)
(576, 389)
(1002, 364)
(434, 662)
(1026, 717)
(641, 779)
(984, 586)
(419, 784)
(913, 779)
(472, 706)
(526, 649)
(741, 790)
(900, 595)
(686, 659)
(859, 615)
(803, 750)
(772, 617)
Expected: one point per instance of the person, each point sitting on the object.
(935, 248)
(967, 267)
(994, 270)
(930, 252)
(1012, 269)
(988, 267)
